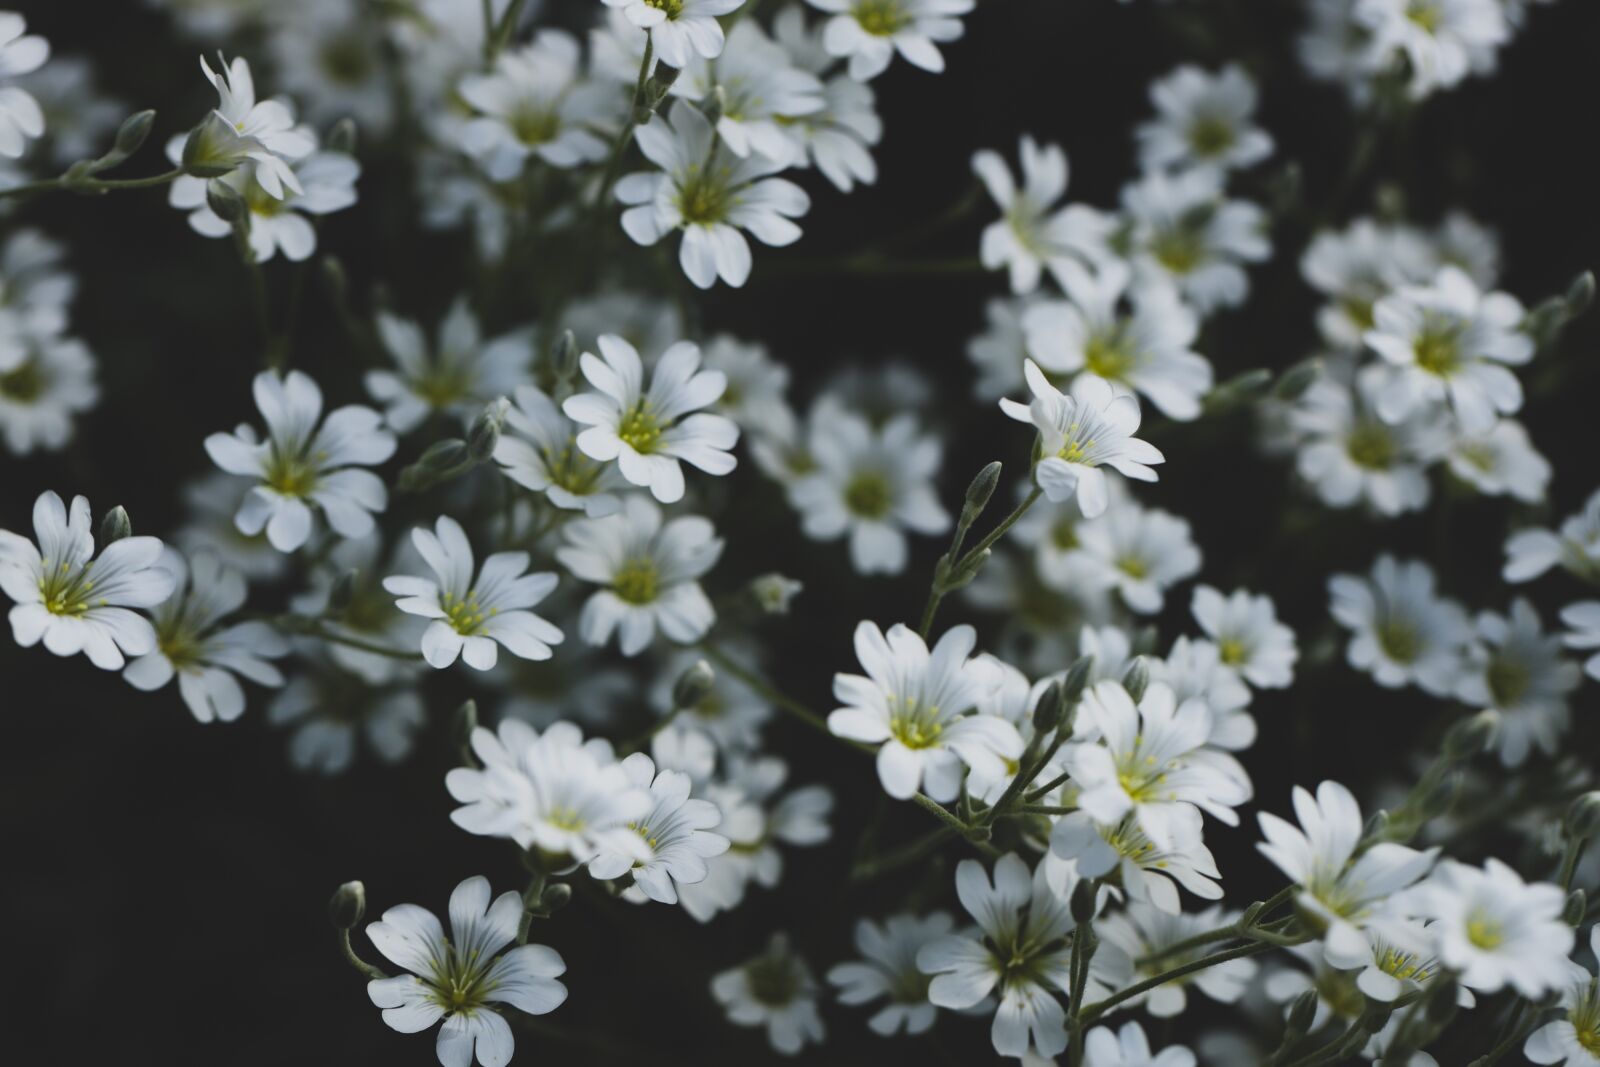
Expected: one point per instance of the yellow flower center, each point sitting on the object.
(868, 495)
(1210, 136)
(881, 18)
(1484, 930)
(637, 581)
(23, 384)
(640, 429)
(464, 613)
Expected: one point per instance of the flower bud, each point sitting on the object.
(564, 356)
(225, 202)
(342, 137)
(556, 896)
(979, 492)
(1085, 901)
(962, 576)
(1583, 816)
(485, 432)
(1441, 798)
(213, 148)
(1136, 679)
(441, 460)
(1377, 826)
(1077, 680)
(1303, 1012)
(693, 685)
(1048, 711)
(343, 591)
(1580, 294)
(115, 526)
(1294, 382)
(1470, 736)
(135, 129)
(348, 905)
(1576, 906)
(336, 279)
(774, 592)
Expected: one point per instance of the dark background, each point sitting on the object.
(165, 883)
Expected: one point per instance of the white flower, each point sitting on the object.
(1443, 40)
(328, 711)
(73, 602)
(1144, 349)
(539, 450)
(553, 791)
(1572, 1040)
(1032, 234)
(36, 291)
(323, 183)
(1149, 761)
(1358, 266)
(1402, 631)
(755, 396)
(1143, 930)
(1023, 950)
(534, 103)
(997, 353)
(1349, 455)
(1339, 887)
(1129, 1047)
(1495, 930)
(837, 137)
(191, 643)
(20, 117)
(459, 978)
(647, 431)
(647, 572)
(1203, 120)
(1393, 955)
(262, 131)
(1184, 233)
(1531, 552)
(472, 617)
(1080, 433)
(870, 32)
(889, 970)
(1196, 669)
(775, 990)
(761, 91)
(679, 29)
(211, 499)
(332, 57)
(1501, 462)
(674, 836)
(1250, 639)
(711, 195)
(1145, 869)
(1449, 340)
(917, 706)
(300, 466)
(872, 484)
(458, 376)
(41, 395)
(1518, 670)
(1583, 618)
(1138, 552)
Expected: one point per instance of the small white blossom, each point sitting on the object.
(1402, 631)
(1518, 670)
(1128, 1047)
(1442, 40)
(647, 430)
(1250, 639)
(1575, 548)
(473, 616)
(1032, 234)
(74, 602)
(457, 376)
(329, 712)
(1080, 433)
(888, 969)
(1501, 462)
(1186, 234)
(539, 451)
(775, 990)
(460, 978)
(1143, 930)
(1583, 620)
(42, 394)
(1495, 930)
(647, 573)
(675, 837)
(1139, 552)
(192, 643)
(301, 466)
(1571, 1040)
(679, 29)
(261, 131)
(535, 103)
(870, 32)
(1204, 120)
(760, 92)
(21, 120)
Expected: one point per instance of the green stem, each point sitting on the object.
(496, 42)
(1055, 783)
(357, 962)
(903, 856)
(620, 146)
(93, 185)
(311, 628)
(1569, 862)
(770, 692)
(936, 594)
(1100, 1007)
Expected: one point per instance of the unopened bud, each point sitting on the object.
(556, 896)
(1441, 798)
(1580, 294)
(343, 592)
(1249, 385)
(979, 492)
(1251, 914)
(342, 137)
(1377, 826)
(716, 105)
(335, 278)
(135, 129)
(1048, 711)
(693, 685)
(1577, 905)
(348, 905)
(225, 202)
(1077, 680)
(115, 526)
(1303, 1012)
(1294, 382)
(1136, 679)
(1544, 322)
(440, 461)
(774, 592)
(1376, 1017)
(1085, 902)
(1470, 736)
(1583, 817)
(564, 356)
(485, 432)
(961, 576)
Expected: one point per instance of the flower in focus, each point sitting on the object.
(1572, 1040)
(870, 32)
(675, 837)
(191, 643)
(648, 430)
(647, 572)
(74, 602)
(242, 128)
(679, 29)
(471, 618)
(461, 977)
(301, 466)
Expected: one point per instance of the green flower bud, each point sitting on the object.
(1583, 816)
(693, 685)
(1077, 680)
(1470, 736)
(343, 591)
(226, 203)
(556, 896)
(115, 526)
(1302, 1012)
(1136, 679)
(342, 137)
(348, 905)
(1085, 902)
(1294, 382)
(564, 356)
(1580, 294)
(1048, 711)
(441, 461)
(133, 132)
(485, 432)
(1576, 906)
(979, 492)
